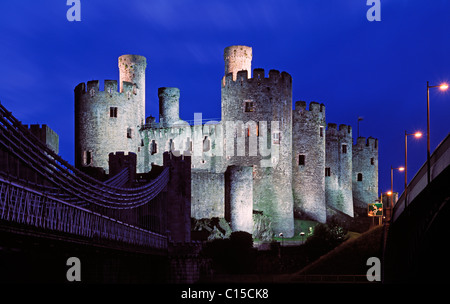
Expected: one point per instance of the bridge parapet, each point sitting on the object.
(439, 161)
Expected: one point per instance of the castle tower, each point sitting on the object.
(308, 161)
(169, 106)
(257, 122)
(132, 70)
(365, 172)
(239, 198)
(237, 58)
(338, 169)
(107, 121)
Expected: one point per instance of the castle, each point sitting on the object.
(264, 158)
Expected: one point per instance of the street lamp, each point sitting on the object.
(442, 87)
(416, 135)
(401, 169)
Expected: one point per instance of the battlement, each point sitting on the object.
(343, 130)
(313, 106)
(363, 143)
(92, 87)
(46, 135)
(258, 78)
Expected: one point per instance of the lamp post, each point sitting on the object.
(392, 186)
(443, 87)
(417, 135)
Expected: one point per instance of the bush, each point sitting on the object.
(234, 255)
(324, 238)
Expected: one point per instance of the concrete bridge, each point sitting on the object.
(417, 244)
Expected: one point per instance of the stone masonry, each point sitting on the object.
(263, 157)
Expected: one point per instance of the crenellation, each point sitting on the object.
(93, 85)
(300, 105)
(92, 88)
(285, 163)
(111, 86)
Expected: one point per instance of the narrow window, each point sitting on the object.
(344, 148)
(359, 177)
(87, 158)
(321, 132)
(372, 161)
(113, 112)
(249, 106)
(153, 147)
(327, 172)
(129, 133)
(301, 160)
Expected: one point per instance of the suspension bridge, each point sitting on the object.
(46, 201)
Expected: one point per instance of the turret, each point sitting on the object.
(169, 106)
(132, 70)
(237, 58)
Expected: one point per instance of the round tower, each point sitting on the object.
(365, 172)
(338, 169)
(257, 128)
(169, 106)
(105, 122)
(308, 161)
(132, 70)
(237, 58)
(239, 198)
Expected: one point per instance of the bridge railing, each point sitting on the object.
(18, 141)
(22, 205)
(439, 160)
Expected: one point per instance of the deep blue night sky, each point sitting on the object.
(357, 68)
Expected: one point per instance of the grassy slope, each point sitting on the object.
(350, 257)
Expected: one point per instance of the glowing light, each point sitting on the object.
(443, 86)
(389, 193)
(418, 134)
(401, 169)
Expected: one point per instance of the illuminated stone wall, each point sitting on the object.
(338, 185)
(365, 171)
(263, 104)
(239, 197)
(105, 121)
(287, 151)
(308, 160)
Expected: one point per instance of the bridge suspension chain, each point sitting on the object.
(68, 180)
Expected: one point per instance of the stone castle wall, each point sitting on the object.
(264, 105)
(297, 165)
(365, 171)
(308, 160)
(338, 183)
